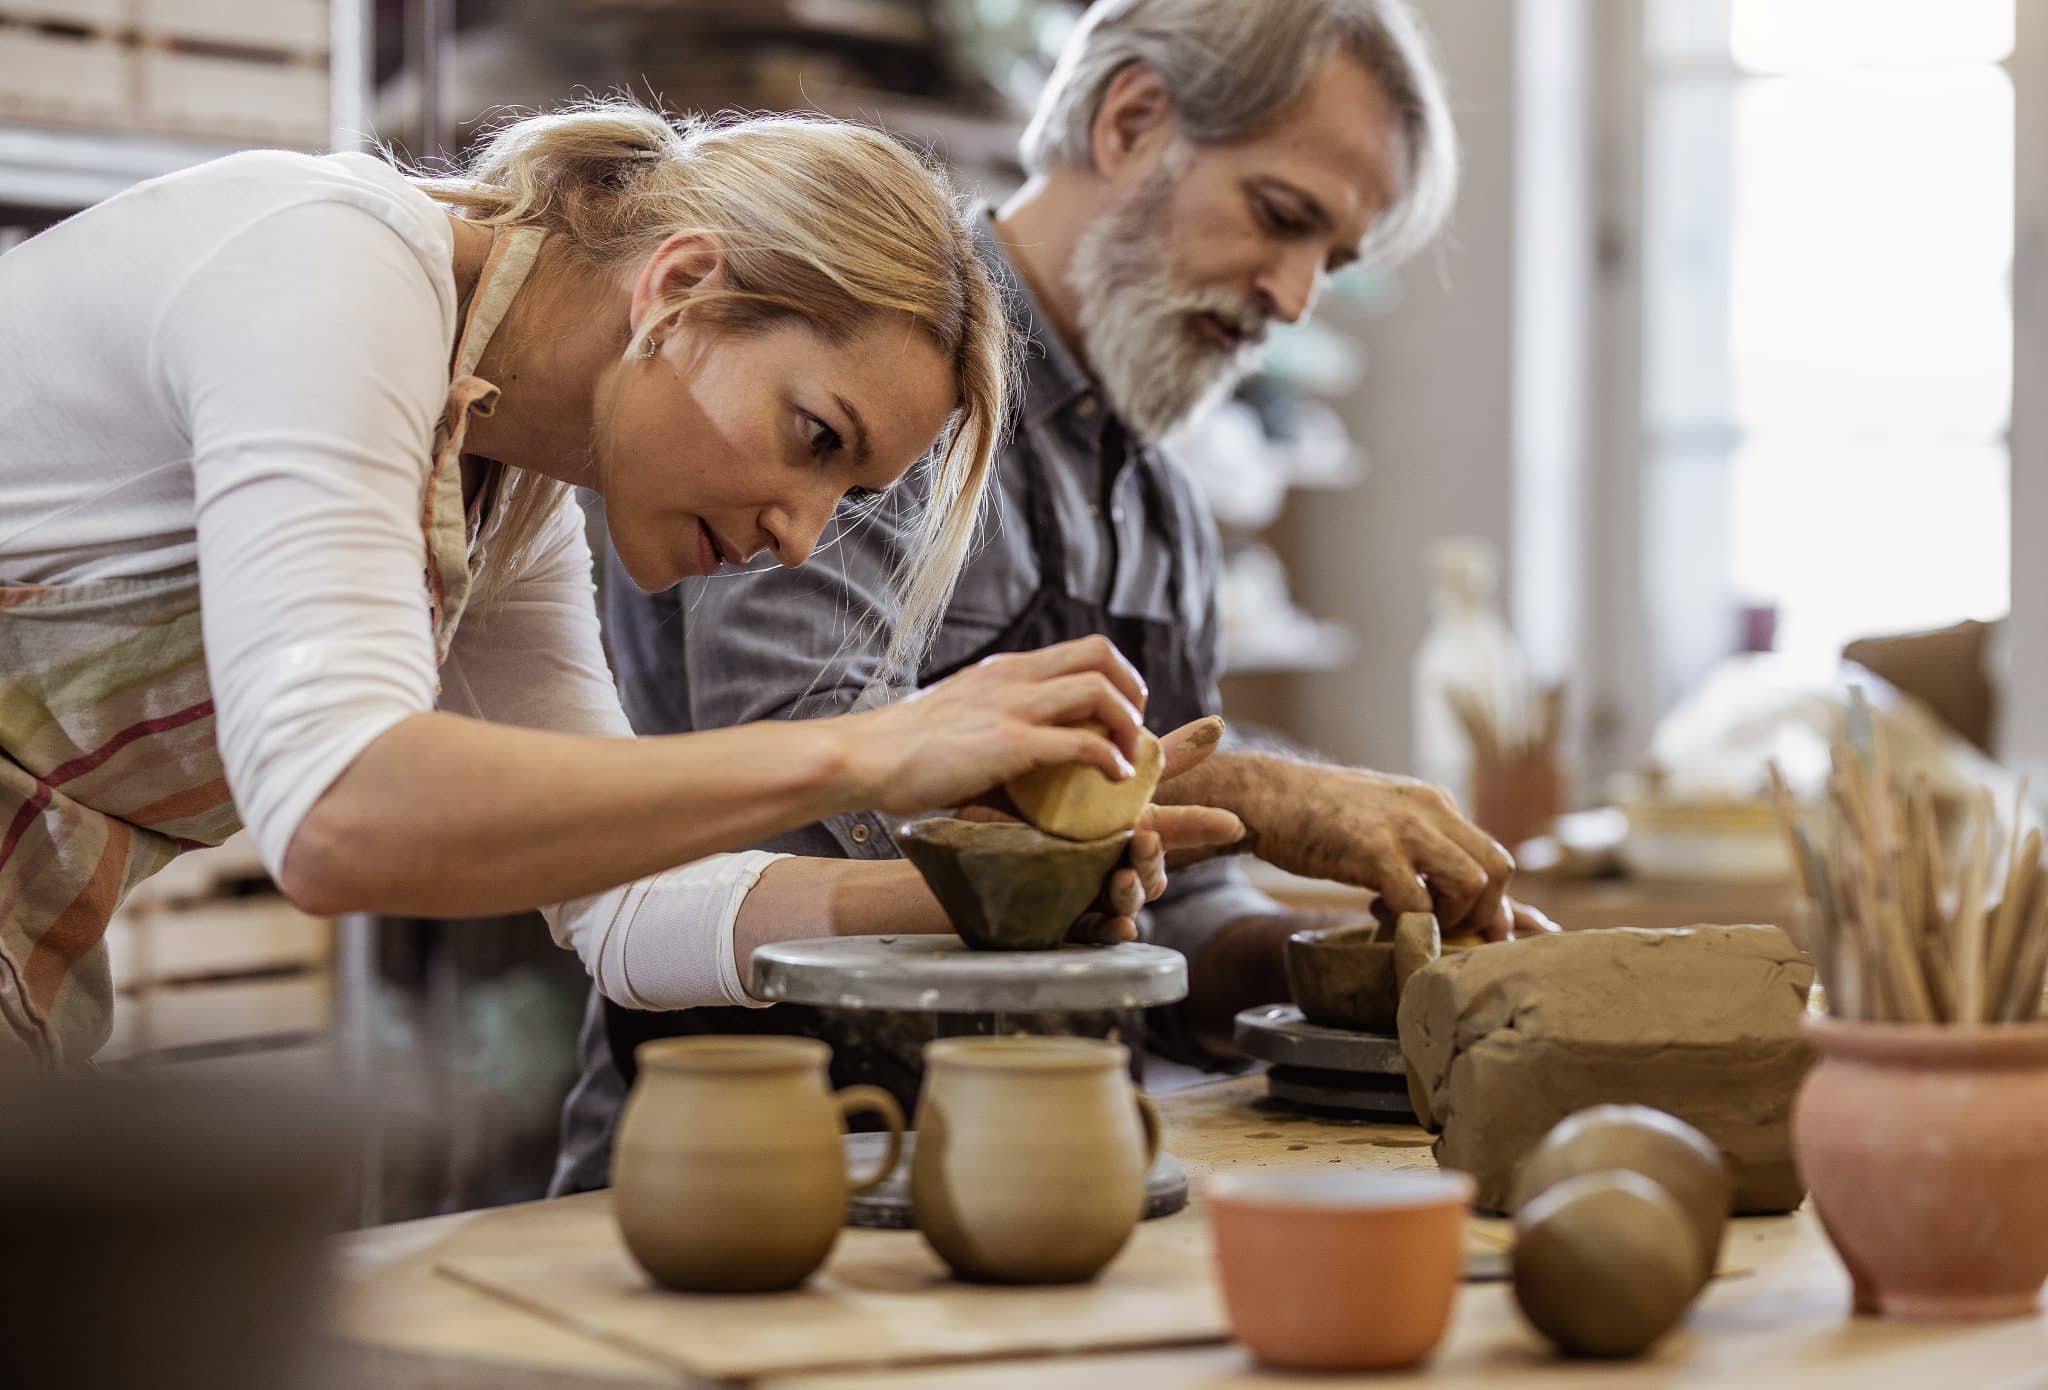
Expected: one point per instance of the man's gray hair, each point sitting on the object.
(1234, 66)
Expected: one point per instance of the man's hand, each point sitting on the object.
(1399, 837)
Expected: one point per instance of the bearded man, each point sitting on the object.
(1198, 168)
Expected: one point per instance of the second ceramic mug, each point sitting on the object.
(729, 1174)
(1031, 1157)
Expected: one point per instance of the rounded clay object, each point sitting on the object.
(1605, 1264)
(1661, 1147)
(1006, 886)
(729, 1175)
(1031, 1157)
(1416, 944)
(1077, 802)
(1343, 977)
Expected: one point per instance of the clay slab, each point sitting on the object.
(1505, 1040)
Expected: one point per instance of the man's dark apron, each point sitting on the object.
(883, 1048)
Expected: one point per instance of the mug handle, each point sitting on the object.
(1148, 1116)
(854, 1099)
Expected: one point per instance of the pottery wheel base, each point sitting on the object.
(1358, 1093)
(886, 1207)
(1326, 1068)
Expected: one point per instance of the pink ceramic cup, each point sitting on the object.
(1339, 1271)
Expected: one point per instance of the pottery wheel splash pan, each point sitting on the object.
(1325, 1068)
(940, 974)
(886, 1206)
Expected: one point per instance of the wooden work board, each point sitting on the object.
(1783, 1322)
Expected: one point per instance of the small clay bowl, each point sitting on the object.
(1344, 977)
(1605, 1263)
(1006, 886)
(1339, 1271)
(1661, 1147)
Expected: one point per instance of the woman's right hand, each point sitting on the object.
(1001, 717)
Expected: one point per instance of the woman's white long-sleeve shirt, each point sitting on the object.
(241, 365)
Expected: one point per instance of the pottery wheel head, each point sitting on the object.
(1006, 886)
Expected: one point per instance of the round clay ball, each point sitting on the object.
(1604, 1264)
(1661, 1147)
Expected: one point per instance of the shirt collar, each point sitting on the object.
(1054, 379)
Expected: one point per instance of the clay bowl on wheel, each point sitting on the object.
(1006, 886)
(1344, 977)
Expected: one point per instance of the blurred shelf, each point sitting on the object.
(1310, 646)
(959, 137)
(47, 167)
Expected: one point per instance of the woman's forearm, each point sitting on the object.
(447, 816)
(796, 898)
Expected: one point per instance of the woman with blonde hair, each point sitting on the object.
(287, 541)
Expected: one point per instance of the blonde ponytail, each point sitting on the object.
(825, 222)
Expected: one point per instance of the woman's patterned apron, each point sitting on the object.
(108, 767)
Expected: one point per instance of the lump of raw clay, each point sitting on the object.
(1005, 886)
(1416, 944)
(1503, 1041)
(1604, 1263)
(1660, 1147)
(1078, 802)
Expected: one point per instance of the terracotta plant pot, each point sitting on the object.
(729, 1175)
(1031, 1157)
(1926, 1149)
(1339, 1271)
(1344, 977)
(1006, 886)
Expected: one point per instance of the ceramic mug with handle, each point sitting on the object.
(1031, 1157)
(729, 1175)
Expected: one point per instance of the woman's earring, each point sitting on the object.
(651, 346)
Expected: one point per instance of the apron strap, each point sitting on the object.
(512, 254)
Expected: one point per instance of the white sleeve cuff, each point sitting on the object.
(666, 942)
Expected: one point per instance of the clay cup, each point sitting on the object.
(1925, 1147)
(1339, 1271)
(1031, 1157)
(1344, 977)
(729, 1175)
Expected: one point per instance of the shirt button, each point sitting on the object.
(860, 834)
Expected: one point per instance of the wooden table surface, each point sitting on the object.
(1781, 1321)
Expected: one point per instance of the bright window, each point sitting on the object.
(1828, 319)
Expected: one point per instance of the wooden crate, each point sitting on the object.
(297, 27)
(222, 1014)
(95, 16)
(218, 940)
(206, 94)
(66, 78)
(245, 70)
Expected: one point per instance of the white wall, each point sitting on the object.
(2024, 731)
(1463, 437)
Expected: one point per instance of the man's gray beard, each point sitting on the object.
(1137, 320)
